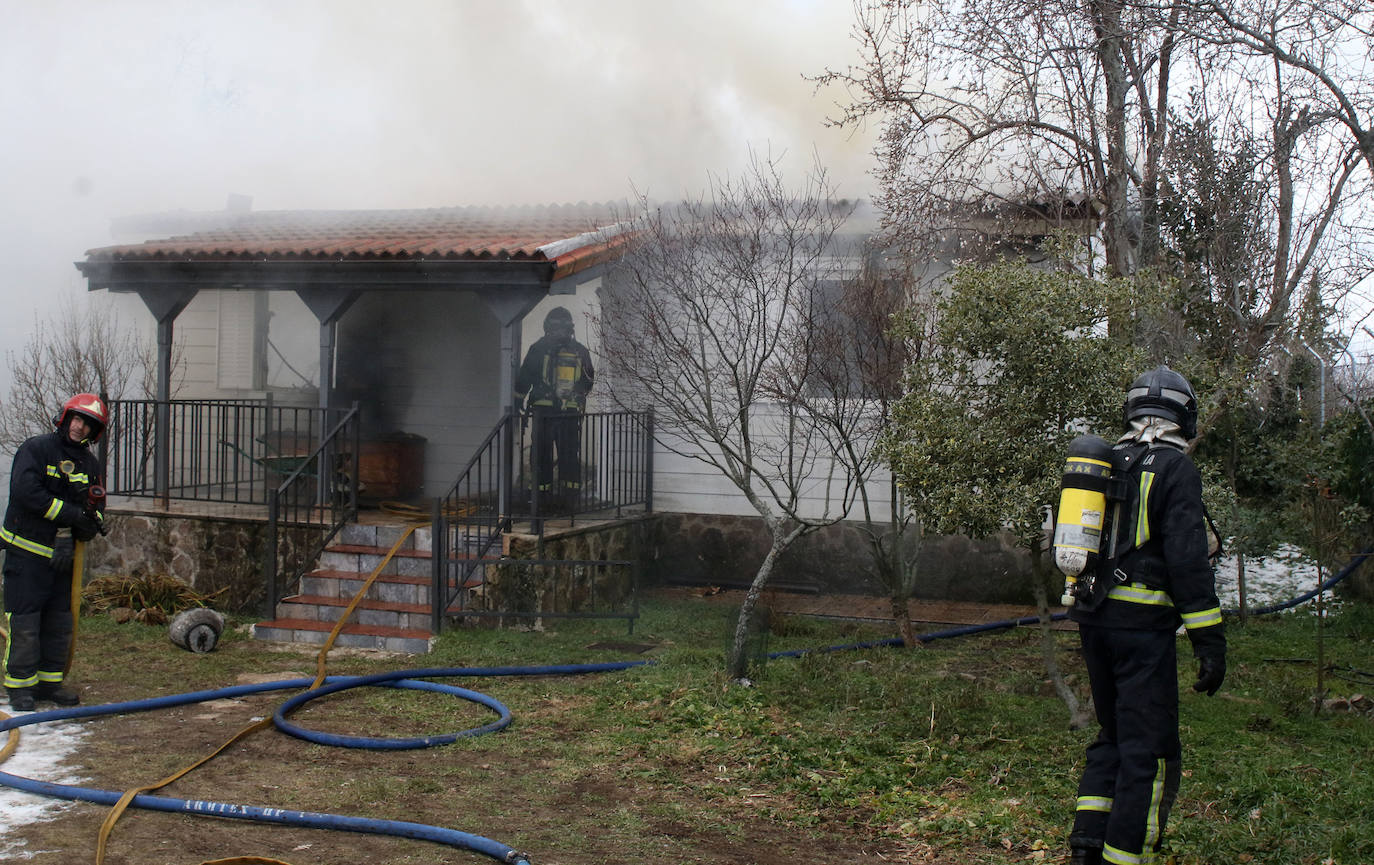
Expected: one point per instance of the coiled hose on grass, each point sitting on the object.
(415, 679)
(332, 684)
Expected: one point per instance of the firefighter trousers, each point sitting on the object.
(1131, 777)
(38, 616)
(559, 432)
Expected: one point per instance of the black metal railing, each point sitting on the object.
(210, 450)
(611, 471)
(501, 484)
(467, 521)
(315, 501)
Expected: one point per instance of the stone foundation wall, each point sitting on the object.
(569, 590)
(696, 549)
(220, 557)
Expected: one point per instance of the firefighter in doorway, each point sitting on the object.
(1158, 577)
(49, 507)
(553, 382)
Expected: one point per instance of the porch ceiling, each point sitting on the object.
(440, 247)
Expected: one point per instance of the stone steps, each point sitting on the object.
(395, 613)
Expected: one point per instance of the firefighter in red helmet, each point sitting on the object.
(50, 483)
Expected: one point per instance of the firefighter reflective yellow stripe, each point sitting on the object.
(1142, 520)
(53, 510)
(53, 472)
(50, 678)
(79, 478)
(1202, 618)
(1153, 816)
(1121, 857)
(10, 681)
(1137, 593)
(25, 544)
(1095, 803)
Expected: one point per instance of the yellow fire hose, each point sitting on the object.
(320, 672)
(78, 571)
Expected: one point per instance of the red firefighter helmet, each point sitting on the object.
(90, 407)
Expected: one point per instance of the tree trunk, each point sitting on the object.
(1079, 715)
(737, 665)
(901, 616)
(1106, 16)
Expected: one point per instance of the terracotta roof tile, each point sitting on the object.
(543, 233)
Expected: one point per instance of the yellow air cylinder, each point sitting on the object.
(1082, 511)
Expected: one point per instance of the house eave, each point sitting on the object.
(278, 275)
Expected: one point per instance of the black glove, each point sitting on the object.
(62, 561)
(1211, 670)
(85, 527)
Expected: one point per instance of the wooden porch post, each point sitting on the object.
(329, 304)
(510, 309)
(165, 304)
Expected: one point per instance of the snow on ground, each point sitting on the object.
(42, 750)
(1271, 580)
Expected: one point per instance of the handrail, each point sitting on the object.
(480, 498)
(325, 482)
(616, 468)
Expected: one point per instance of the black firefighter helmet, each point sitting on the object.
(559, 323)
(1162, 392)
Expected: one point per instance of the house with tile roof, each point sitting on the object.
(311, 361)
(281, 335)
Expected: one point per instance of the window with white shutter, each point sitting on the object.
(242, 357)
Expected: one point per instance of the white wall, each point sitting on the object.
(425, 363)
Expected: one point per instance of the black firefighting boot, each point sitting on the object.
(56, 693)
(21, 699)
(1085, 856)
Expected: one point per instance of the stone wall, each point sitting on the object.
(215, 556)
(697, 549)
(569, 589)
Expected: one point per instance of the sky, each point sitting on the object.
(139, 106)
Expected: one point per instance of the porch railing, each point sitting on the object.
(315, 501)
(210, 450)
(499, 486)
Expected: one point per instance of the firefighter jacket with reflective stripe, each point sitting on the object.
(557, 373)
(1163, 578)
(49, 481)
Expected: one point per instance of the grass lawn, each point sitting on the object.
(957, 752)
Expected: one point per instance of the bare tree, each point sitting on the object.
(991, 109)
(81, 347)
(706, 320)
(860, 363)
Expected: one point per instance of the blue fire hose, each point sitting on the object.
(332, 684)
(1006, 624)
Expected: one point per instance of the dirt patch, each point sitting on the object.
(518, 788)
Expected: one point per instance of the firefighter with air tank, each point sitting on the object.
(1133, 540)
(554, 381)
(54, 490)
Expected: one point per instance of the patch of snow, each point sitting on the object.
(1270, 580)
(43, 748)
